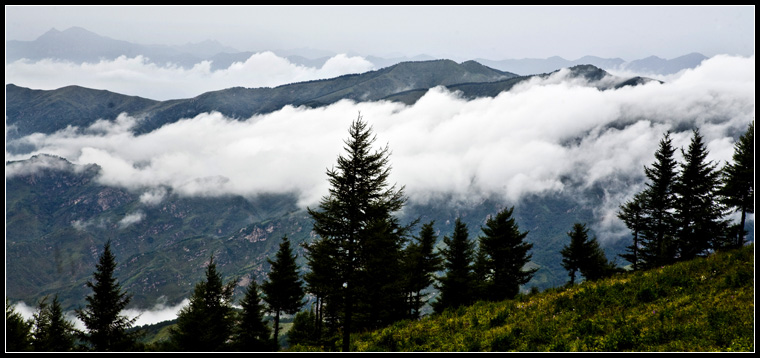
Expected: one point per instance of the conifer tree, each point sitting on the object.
(52, 332)
(251, 334)
(422, 263)
(206, 324)
(698, 216)
(359, 195)
(574, 253)
(456, 285)
(632, 214)
(283, 290)
(657, 206)
(304, 331)
(585, 256)
(322, 282)
(107, 328)
(18, 334)
(738, 181)
(507, 255)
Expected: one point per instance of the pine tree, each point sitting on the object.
(206, 324)
(52, 332)
(507, 255)
(657, 206)
(574, 253)
(322, 282)
(359, 195)
(421, 264)
(698, 216)
(456, 285)
(251, 334)
(585, 256)
(632, 214)
(106, 326)
(283, 290)
(304, 331)
(18, 334)
(738, 179)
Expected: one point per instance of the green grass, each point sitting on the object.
(704, 305)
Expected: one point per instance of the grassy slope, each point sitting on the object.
(702, 305)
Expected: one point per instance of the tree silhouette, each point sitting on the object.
(52, 332)
(359, 196)
(206, 324)
(17, 330)
(106, 326)
(507, 255)
(738, 179)
(251, 334)
(283, 291)
(698, 215)
(658, 205)
(421, 263)
(456, 285)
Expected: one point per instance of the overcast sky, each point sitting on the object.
(456, 32)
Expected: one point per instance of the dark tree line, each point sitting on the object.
(367, 272)
(681, 214)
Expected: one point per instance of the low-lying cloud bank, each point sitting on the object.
(548, 136)
(139, 76)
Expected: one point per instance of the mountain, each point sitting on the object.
(29, 111)
(58, 216)
(46, 111)
(80, 45)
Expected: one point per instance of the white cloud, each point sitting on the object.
(536, 139)
(139, 76)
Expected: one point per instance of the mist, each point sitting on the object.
(139, 76)
(556, 135)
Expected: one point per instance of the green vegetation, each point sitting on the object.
(706, 304)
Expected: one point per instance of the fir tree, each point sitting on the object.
(322, 282)
(107, 328)
(304, 331)
(251, 334)
(698, 216)
(359, 195)
(507, 255)
(421, 264)
(657, 206)
(585, 256)
(52, 332)
(206, 324)
(456, 285)
(574, 253)
(632, 214)
(738, 179)
(283, 291)
(18, 331)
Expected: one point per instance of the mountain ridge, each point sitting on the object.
(60, 45)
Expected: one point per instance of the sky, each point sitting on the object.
(455, 32)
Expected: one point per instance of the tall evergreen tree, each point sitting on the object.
(359, 195)
(52, 332)
(658, 205)
(507, 255)
(18, 331)
(574, 253)
(632, 214)
(322, 282)
(421, 264)
(107, 328)
(456, 285)
(251, 334)
(698, 216)
(738, 179)
(206, 324)
(283, 290)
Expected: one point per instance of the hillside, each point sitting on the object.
(702, 305)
